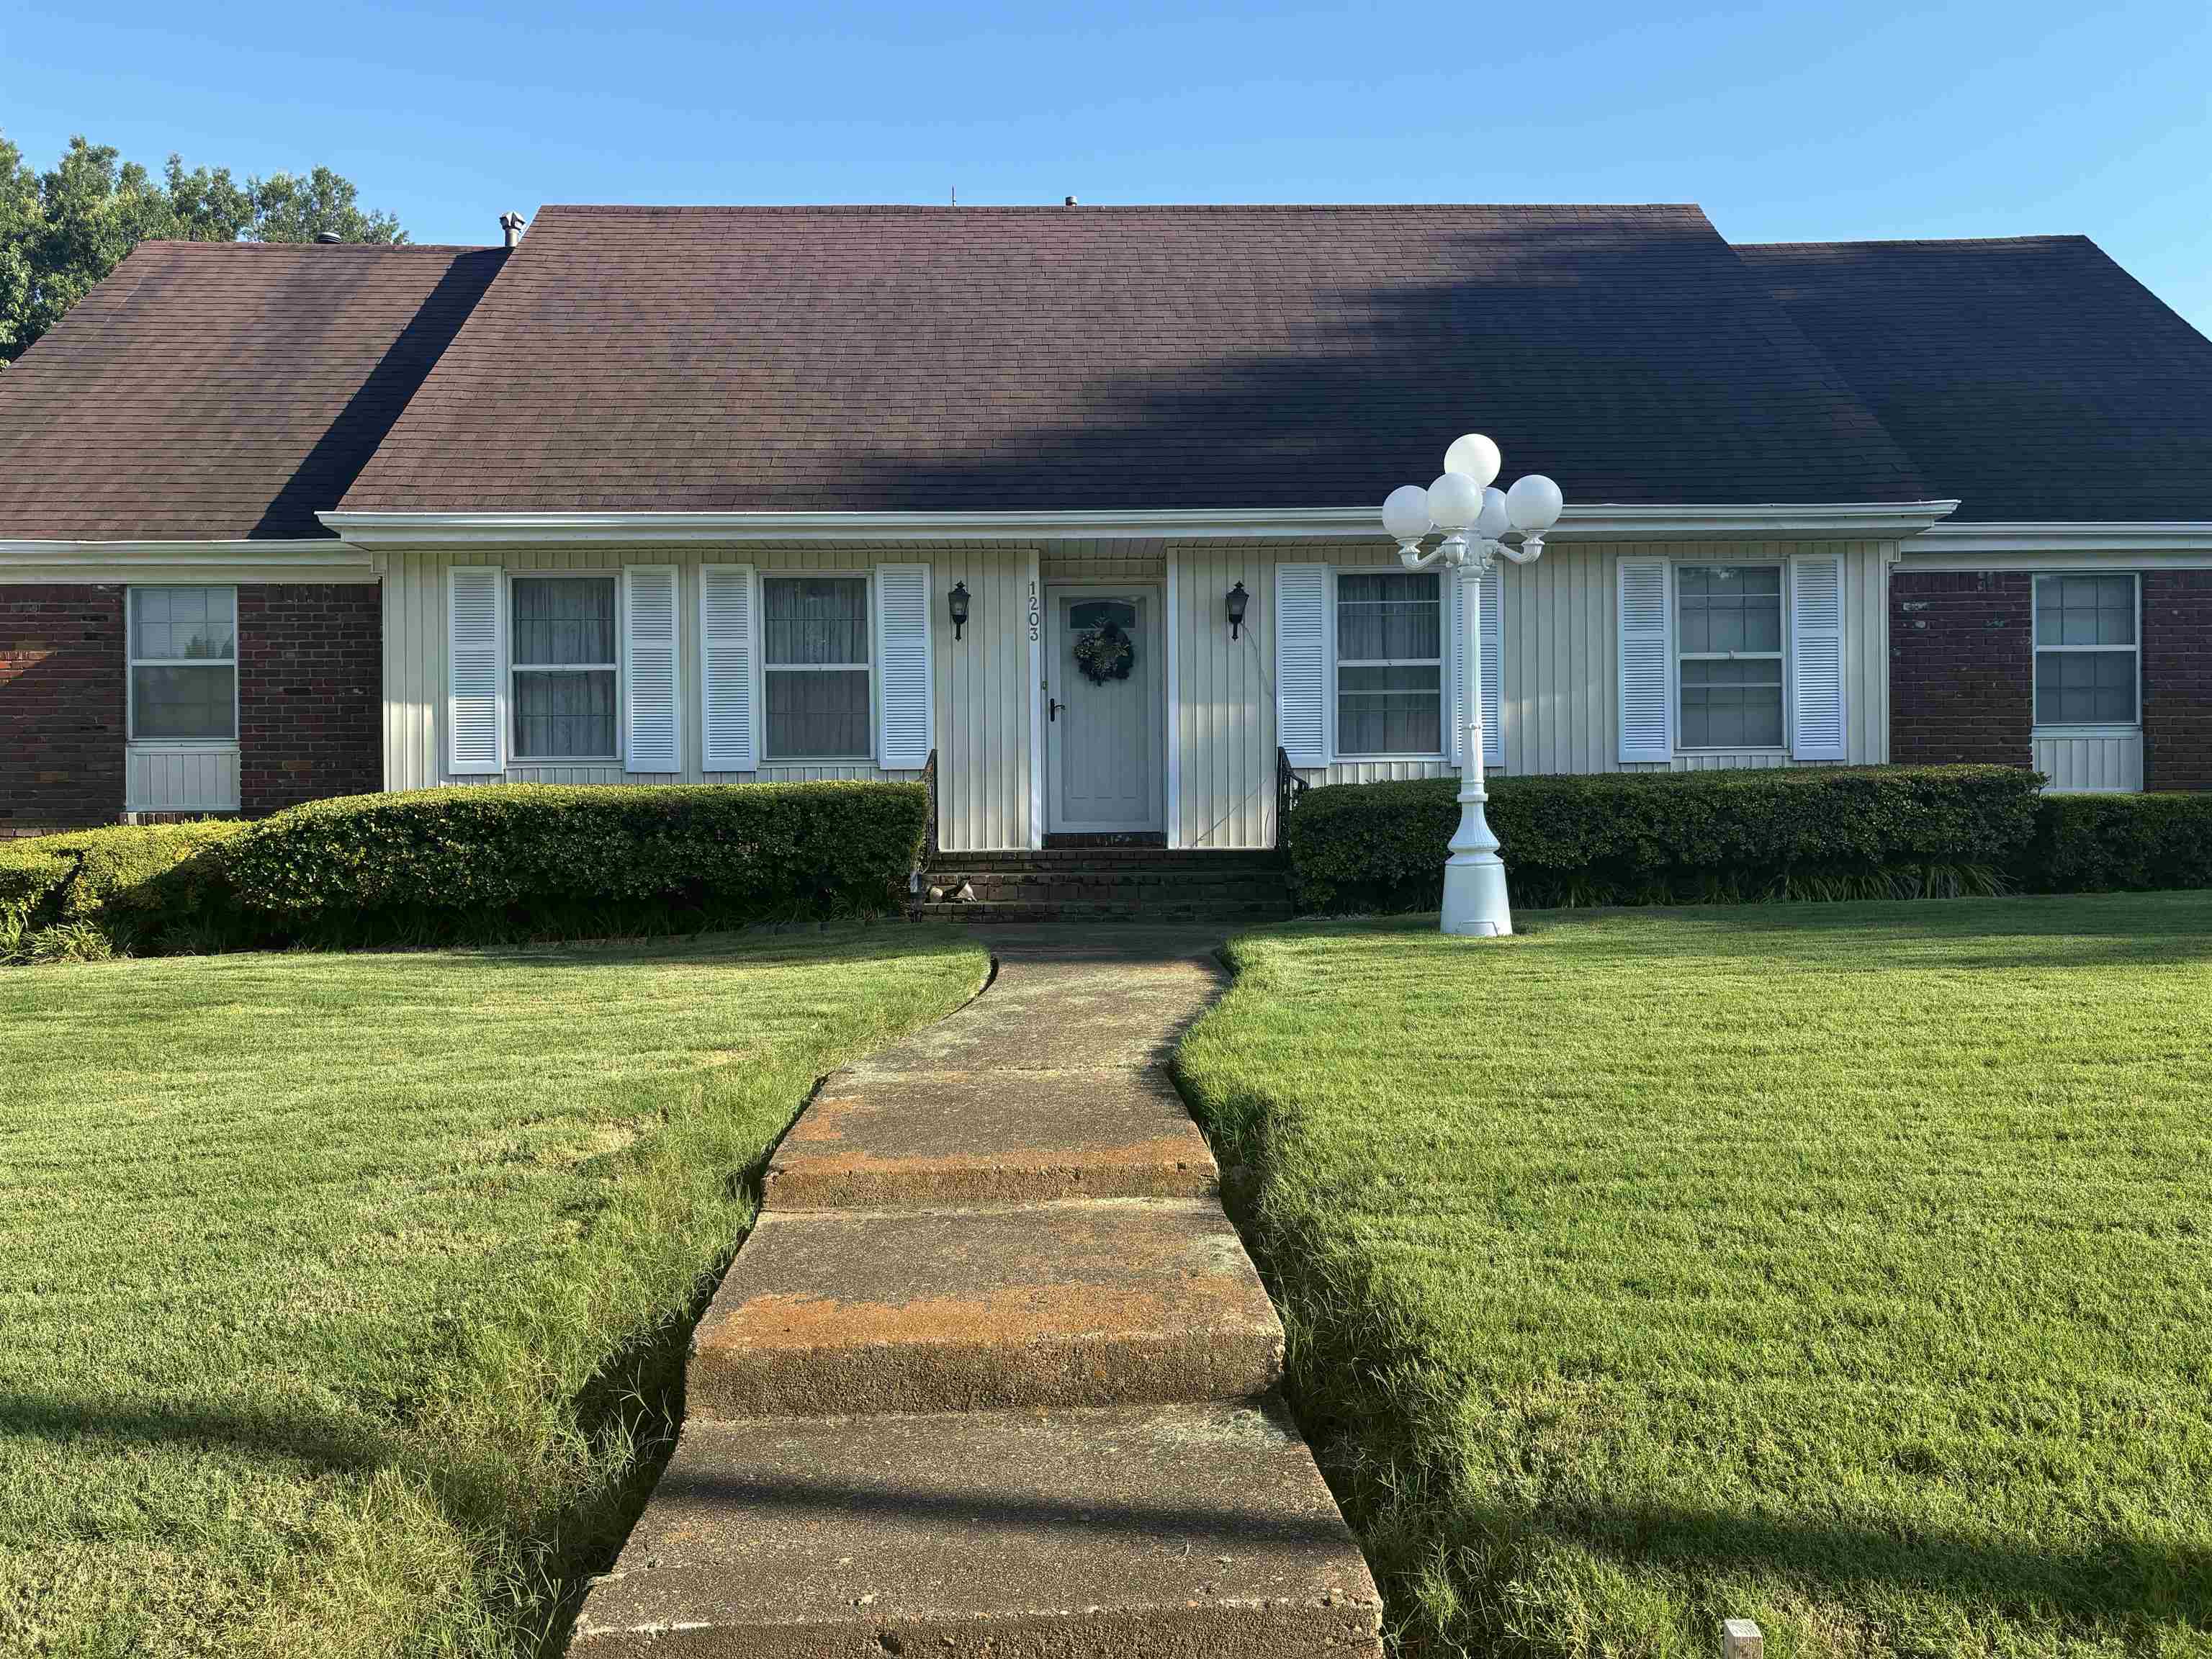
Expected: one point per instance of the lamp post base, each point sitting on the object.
(1475, 906)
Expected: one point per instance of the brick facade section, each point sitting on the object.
(2177, 679)
(61, 706)
(1961, 667)
(310, 693)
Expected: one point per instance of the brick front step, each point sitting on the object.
(1197, 1530)
(1160, 915)
(1124, 884)
(1086, 1302)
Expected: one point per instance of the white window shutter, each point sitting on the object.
(726, 697)
(653, 698)
(903, 742)
(1302, 663)
(473, 722)
(1646, 731)
(1816, 659)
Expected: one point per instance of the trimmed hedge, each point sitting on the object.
(2120, 843)
(94, 892)
(447, 860)
(1685, 837)
(31, 873)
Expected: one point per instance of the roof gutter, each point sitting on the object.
(1951, 541)
(318, 551)
(1870, 520)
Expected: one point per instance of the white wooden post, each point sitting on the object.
(1740, 1639)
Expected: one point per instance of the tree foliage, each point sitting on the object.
(61, 231)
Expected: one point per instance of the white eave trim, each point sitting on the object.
(1960, 543)
(316, 552)
(1860, 519)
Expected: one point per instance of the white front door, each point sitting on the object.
(1105, 707)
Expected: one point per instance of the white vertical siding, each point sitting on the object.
(2091, 763)
(1562, 671)
(979, 684)
(986, 706)
(1557, 705)
(180, 777)
(1224, 730)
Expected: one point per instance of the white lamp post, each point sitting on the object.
(1475, 519)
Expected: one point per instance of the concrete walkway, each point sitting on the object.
(993, 1377)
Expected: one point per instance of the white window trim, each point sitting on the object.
(1447, 665)
(133, 663)
(866, 578)
(508, 670)
(2036, 647)
(1675, 655)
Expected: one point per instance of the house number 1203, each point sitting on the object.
(1033, 610)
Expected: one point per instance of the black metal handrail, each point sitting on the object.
(1289, 786)
(929, 845)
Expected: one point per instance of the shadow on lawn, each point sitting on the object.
(2123, 1580)
(1383, 1425)
(323, 1442)
(534, 1566)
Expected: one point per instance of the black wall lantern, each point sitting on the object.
(956, 602)
(1238, 598)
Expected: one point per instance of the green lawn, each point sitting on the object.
(339, 1295)
(1844, 1266)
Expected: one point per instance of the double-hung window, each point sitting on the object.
(815, 663)
(1389, 664)
(1729, 645)
(2086, 651)
(184, 665)
(566, 668)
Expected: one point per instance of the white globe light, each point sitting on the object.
(1453, 500)
(1533, 504)
(1475, 455)
(1405, 514)
(1492, 521)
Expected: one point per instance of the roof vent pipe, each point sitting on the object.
(512, 223)
(328, 237)
(1069, 202)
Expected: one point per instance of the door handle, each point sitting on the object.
(1053, 707)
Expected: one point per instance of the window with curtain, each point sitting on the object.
(1389, 664)
(184, 663)
(566, 663)
(814, 640)
(2086, 651)
(1729, 644)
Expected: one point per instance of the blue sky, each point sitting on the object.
(1784, 122)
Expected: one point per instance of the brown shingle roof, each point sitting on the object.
(890, 358)
(223, 390)
(2030, 376)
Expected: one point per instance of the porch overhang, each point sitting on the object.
(1857, 520)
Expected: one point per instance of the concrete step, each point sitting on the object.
(1084, 1302)
(1181, 1531)
(878, 1141)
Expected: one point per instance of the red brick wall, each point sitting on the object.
(310, 693)
(2177, 674)
(1961, 667)
(61, 707)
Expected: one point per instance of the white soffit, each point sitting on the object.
(1876, 520)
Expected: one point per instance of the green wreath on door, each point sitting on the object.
(1105, 652)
